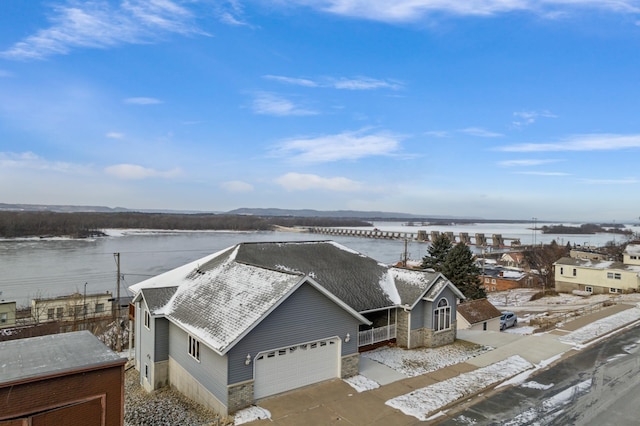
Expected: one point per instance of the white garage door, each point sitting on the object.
(289, 368)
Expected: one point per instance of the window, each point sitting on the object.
(575, 272)
(194, 348)
(3, 317)
(610, 275)
(77, 310)
(442, 316)
(147, 319)
(486, 280)
(146, 371)
(99, 308)
(617, 276)
(50, 313)
(615, 290)
(493, 280)
(633, 257)
(59, 313)
(561, 270)
(588, 288)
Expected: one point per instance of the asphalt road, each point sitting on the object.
(598, 386)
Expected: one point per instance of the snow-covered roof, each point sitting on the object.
(221, 297)
(479, 310)
(632, 249)
(597, 264)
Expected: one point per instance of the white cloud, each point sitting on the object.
(412, 10)
(342, 146)
(588, 142)
(342, 83)
(142, 101)
(101, 24)
(304, 182)
(29, 160)
(271, 104)
(135, 172)
(627, 181)
(115, 135)
(525, 163)
(438, 133)
(480, 132)
(236, 186)
(525, 118)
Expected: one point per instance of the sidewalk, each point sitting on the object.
(336, 402)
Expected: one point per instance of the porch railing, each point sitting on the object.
(375, 335)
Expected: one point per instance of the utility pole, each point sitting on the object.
(117, 309)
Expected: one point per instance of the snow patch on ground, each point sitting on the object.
(601, 327)
(361, 383)
(251, 414)
(535, 385)
(424, 401)
(416, 362)
(550, 405)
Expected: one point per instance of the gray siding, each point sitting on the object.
(429, 307)
(305, 316)
(161, 326)
(211, 371)
(417, 316)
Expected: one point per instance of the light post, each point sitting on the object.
(84, 302)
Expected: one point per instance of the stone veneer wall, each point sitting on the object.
(350, 365)
(239, 396)
(434, 339)
(402, 327)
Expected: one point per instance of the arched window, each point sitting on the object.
(442, 315)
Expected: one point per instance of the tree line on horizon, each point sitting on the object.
(17, 224)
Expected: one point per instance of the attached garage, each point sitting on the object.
(283, 369)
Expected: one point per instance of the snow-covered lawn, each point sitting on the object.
(415, 362)
(361, 383)
(422, 402)
(602, 326)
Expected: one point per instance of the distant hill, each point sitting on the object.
(350, 214)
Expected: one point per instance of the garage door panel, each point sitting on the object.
(289, 368)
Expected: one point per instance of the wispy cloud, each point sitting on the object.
(341, 146)
(627, 181)
(115, 135)
(136, 172)
(29, 160)
(304, 182)
(142, 101)
(342, 83)
(438, 133)
(236, 186)
(272, 104)
(589, 142)
(412, 10)
(525, 163)
(102, 24)
(480, 132)
(526, 118)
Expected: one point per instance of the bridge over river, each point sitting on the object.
(479, 239)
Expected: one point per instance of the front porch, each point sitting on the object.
(383, 328)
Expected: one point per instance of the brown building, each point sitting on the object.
(501, 279)
(62, 379)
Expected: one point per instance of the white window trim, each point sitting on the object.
(194, 348)
(147, 319)
(442, 314)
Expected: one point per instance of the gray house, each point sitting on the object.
(258, 319)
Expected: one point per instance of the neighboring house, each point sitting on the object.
(7, 314)
(600, 276)
(501, 279)
(258, 319)
(74, 307)
(586, 253)
(478, 314)
(61, 379)
(513, 259)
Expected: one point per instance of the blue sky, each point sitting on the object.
(502, 109)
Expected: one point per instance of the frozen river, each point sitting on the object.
(51, 267)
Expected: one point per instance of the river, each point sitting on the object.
(36, 267)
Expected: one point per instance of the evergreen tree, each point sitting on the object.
(461, 270)
(438, 251)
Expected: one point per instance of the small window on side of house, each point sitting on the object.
(561, 270)
(99, 308)
(59, 313)
(588, 288)
(50, 313)
(194, 348)
(147, 319)
(3, 318)
(575, 272)
(610, 275)
(617, 276)
(486, 280)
